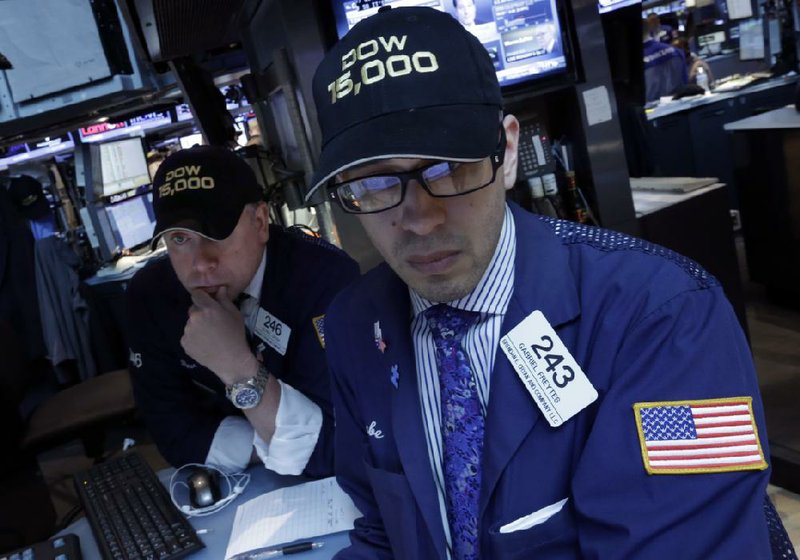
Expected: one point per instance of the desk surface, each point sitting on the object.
(219, 525)
(123, 268)
(687, 103)
(785, 117)
(647, 202)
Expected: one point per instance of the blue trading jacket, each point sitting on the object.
(182, 402)
(645, 324)
(665, 69)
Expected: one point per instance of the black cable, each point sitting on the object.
(68, 518)
(305, 228)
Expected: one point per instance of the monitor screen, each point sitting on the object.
(123, 166)
(132, 220)
(523, 37)
(751, 40)
(191, 140)
(711, 43)
(605, 6)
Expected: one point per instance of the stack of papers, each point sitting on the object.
(671, 184)
(297, 512)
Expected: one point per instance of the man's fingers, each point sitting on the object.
(224, 299)
(201, 298)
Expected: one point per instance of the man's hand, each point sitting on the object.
(214, 336)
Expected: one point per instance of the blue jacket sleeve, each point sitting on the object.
(691, 347)
(173, 407)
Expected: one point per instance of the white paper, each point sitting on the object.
(597, 105)
(298, 512)
(739, 9)
(774, 37)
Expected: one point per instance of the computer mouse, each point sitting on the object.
(203, 488)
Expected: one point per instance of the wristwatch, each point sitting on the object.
(247, 394)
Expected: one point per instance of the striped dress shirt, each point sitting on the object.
(489, 298)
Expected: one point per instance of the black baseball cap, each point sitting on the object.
(203, 189)
(28, 196)
(405, 82)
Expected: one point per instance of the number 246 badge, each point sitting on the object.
(272, 330)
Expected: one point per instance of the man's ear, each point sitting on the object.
(261, 217)
(511, 124)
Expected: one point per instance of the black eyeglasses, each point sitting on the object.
(441, 179)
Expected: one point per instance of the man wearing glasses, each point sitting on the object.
(506, 385)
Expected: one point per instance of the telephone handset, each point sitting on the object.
(537, 168)
(535, 152)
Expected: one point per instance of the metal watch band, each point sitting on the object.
(253, 388)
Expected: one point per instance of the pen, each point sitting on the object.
(276, 551)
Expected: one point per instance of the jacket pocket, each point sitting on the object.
(398, 510)
(556, 538)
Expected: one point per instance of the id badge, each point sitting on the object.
(551, 375)
(272, 330)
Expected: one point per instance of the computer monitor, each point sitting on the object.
(526, 39)
(711, 43)
(606, 6)
(751, 40)
(122, 166)
(191, 140)
(132, 221)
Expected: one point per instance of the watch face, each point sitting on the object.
(246, 397)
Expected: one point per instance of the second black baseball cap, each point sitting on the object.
(203, 189)
(28, 195)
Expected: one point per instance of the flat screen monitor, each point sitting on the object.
(191, 140)
(751, 40)
(605, 6)
(123, 166)
(711, 43)
(524, 37)
(132, 221)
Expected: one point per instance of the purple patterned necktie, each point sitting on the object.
(462, 426)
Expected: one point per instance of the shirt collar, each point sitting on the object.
(493, 291)
(253, 289)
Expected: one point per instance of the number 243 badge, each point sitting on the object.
(551, 375)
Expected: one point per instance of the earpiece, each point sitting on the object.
(236, 482)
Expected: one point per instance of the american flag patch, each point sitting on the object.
(319, 326)
(706, 436)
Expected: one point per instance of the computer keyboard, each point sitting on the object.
(64, 547)
(131, 514)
